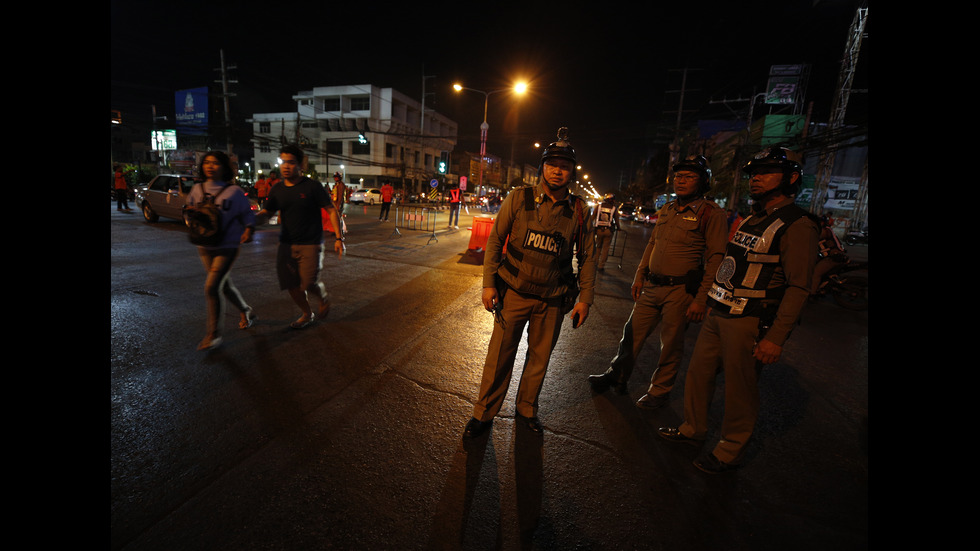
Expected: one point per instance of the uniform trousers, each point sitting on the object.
(543, 319)
(603, 239)
(724, 345)
(664, 305)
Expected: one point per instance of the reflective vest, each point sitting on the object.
(751, 259)
(539, 259)
(604, 215)
(454, 196)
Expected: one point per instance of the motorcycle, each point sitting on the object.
(849, 289)
(854, 237)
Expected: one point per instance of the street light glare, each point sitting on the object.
(457, 87)
(520, 87)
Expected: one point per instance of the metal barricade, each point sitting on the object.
(617, 247)
(416, 219)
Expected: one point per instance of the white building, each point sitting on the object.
(366, 133)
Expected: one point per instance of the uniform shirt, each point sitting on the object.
(510, 221)
(686, 238)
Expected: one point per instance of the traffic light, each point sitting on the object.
(443, 162)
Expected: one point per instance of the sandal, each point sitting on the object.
(302, 322)
(248, 318)
(209, 342)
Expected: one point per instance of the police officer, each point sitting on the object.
(755, 301)
(672, 282)
(606, 222)
(533, 284)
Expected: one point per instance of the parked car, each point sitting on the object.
(368, 195)
(166, 195)
(645, 215)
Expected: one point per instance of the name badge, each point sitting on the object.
(735, 304)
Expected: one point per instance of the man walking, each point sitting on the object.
(299, 201)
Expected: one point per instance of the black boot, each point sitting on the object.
(601, 382)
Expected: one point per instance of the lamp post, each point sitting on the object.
(519, 88)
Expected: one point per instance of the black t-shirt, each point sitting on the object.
(299, 211)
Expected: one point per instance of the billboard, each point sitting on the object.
(191, 107)
(786, 84)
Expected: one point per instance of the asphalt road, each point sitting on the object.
(346, 435)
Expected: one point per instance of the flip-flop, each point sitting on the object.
(209, 342)
(248, 321)
(302, 322)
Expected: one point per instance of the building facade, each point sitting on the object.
(368, 134)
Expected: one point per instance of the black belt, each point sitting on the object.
(667, 280)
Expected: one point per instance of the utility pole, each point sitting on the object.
(839, 107)
(675, 143)
(737, 172)
(418, 187)
(225, 95)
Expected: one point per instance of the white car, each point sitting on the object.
(369, 196)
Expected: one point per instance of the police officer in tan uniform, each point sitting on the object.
(754, 303)
(606, 222)
(672, 282)
(533, 283)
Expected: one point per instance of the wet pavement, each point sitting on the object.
(347, 435)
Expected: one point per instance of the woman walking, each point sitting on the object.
(237, 227)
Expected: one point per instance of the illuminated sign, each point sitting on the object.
(163, 140)
(785, 84)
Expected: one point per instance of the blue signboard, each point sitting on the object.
(191, 107)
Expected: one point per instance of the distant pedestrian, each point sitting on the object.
(121, 187)
(734, 220)
(387, 195)
(299, 202)
(262, 190)
(237, 227)
(454, 200)
(339, 192)
(606, 222)
(754, 303)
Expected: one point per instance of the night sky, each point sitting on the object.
(611, 74)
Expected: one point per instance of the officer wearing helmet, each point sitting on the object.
(756, 298)
(606, 222)
(533, 284)
(671, 284)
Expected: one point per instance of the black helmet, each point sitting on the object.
(696, 163)
(562, 149)
(338, 175)
(775, 157)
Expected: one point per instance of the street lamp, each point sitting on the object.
(518, 88)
